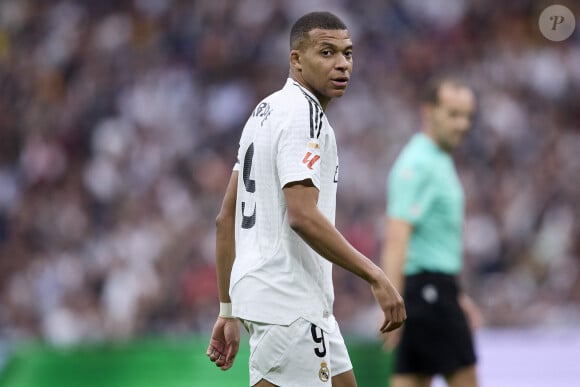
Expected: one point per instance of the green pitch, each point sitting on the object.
(159, 362)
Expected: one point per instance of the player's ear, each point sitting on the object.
(295, 60)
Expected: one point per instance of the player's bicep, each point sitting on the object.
(227, 212)
(301, 201)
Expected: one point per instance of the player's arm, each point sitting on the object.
(225, 239)
(315, 229)
(225, 338)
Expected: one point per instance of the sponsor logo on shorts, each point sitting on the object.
(324, 372)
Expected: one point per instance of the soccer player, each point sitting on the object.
(422, 245)
(276, 239)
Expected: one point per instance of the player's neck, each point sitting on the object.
(323, 101)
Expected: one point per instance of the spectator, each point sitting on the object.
(108, 110)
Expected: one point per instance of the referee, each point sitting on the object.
(422, 245)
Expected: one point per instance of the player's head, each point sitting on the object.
(321, 55)
(448, 107)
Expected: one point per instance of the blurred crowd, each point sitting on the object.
(119, 123)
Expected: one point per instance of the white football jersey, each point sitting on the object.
(277, 277)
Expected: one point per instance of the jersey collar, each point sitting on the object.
(291, 81)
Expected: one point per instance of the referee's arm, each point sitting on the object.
(393, 255)
(394, 250)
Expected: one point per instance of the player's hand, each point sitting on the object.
(390, 302)
(224, 343)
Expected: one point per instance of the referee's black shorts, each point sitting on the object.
(436, 337)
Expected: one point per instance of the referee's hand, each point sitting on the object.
(224, 343)
(390, 302)
(391, 339)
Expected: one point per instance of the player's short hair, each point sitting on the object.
(430, 92)
(311, 21)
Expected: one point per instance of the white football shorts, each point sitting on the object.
(298, 355)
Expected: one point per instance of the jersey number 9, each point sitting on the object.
(250, 184)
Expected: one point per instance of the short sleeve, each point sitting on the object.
(409, 194)
(299, 146)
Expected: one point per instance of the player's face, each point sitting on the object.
(325, 63)
(451, 117)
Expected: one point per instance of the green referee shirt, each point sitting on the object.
(424, 190)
